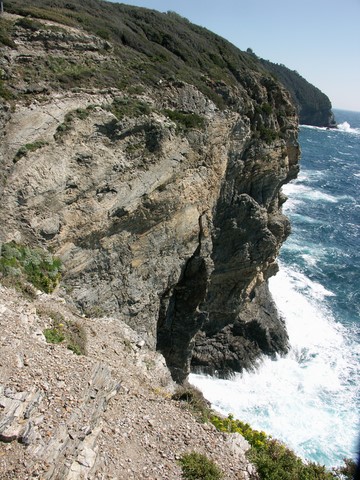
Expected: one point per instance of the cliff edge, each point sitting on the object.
(152, 165)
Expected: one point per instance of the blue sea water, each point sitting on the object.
(310, 398)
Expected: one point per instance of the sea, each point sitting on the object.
(310, 398)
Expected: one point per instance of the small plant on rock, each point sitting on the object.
(128, 107)
(34, 265)
(64, 330)
(54, 335)
(80, 113)
(29, 147)
(196, 466)
(185, 121)
(193, 399)
(76, 338)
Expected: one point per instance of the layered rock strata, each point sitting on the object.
(165, 210)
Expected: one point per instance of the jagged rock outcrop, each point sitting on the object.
(164, 208)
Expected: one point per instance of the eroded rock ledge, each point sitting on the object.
(171, 225)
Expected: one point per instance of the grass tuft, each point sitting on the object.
(73, 333)
(194, 400)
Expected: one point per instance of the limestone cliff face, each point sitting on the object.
(165, 210)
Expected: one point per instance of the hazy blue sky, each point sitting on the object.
(318, 38)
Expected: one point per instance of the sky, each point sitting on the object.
(320, 39)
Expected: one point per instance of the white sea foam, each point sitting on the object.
(298, 191)
(342, 127)
(311, 253)
(309, 259)
(312, 127)
(307, 219)
(345, 127)
(310, 176)
(308, 398)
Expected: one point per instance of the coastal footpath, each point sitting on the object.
(103, 415)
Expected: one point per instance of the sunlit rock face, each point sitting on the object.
(167, 215)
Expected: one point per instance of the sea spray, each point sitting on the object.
(310, 398)
(307, 399)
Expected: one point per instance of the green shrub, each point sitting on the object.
(61, 129)
(75, 349)
(5, 34)
(135, 89)
(273, 460)
(185, 121)
(214, 97)
(231, 425)
(34, 265)
(81, 113)
(29, 147)
(76, 338)
(54, 335)
(129, 107)
(64, 330)
(5, 93)
(268, 134)
(75, 75)
(194, 401)
(196, 466)
(29, 24)
(266, 108)
(103, 33)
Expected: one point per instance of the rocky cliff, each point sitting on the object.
(314, 107)
(161, 195)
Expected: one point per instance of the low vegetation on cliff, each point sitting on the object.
(190, 53)
(273, 459)
(19, 263)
